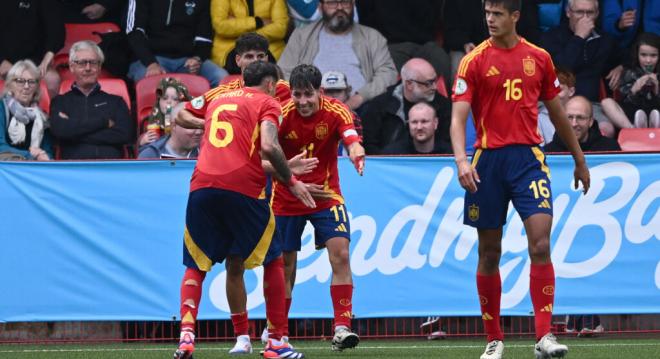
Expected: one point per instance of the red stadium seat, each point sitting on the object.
(145, 91)
(111, 86)
(44, 100)
(441, 87)
(640, 139)
(229, 78)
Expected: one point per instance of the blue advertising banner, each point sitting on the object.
(103, 241)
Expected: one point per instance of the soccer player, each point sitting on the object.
(252, 47)
(503, 79)
(228, 215)
(316, 123)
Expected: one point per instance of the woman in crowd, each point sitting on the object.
(23, 124)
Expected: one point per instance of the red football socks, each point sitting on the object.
(287, 303)
(274, 292)
(191, 293)
(542, 291)
(342, 303)
(240, 322)
(489, 288)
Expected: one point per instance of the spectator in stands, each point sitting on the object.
(337, 43)
(422, 126)
(304, 12)
(465, 27)
(580, 115)
(231, 18)
(625, 19)
(169, 93)
(180, 142)
(639, 88)
(385, 119)
(88, 122)
(34, 30)
(590, 55)
(335, 85)
(172, 36)
(92, 11)
(23, 124)
(410, 28)
(567, 85)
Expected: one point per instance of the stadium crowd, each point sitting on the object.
(74, 90)
(391, 54)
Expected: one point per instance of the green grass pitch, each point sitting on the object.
(596, 348)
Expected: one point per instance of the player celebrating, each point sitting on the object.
(316, 123)
(228, 215)
(503, 79)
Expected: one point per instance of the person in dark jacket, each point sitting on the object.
(385, 119)
(92, 11)
(579, 113)
(422, 125)
(87, 122)
(32, 30)
(179, 143)
(171, 36)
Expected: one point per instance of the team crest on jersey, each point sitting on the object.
(321, 130)
(461, 86)
(529, 66)
(197, 102)
(473, 212)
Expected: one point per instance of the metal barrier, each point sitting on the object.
(373, 328)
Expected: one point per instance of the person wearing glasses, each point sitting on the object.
(88, 122)
(580, 47)
(579, 113)
(337, 43)
(23, 125)
(385, 120)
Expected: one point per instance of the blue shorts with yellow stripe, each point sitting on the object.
(328, 223)
(220, 223)
(516, 173)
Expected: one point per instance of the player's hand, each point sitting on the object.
(299, 190)
(356, 155)
(317, 191)
(299, 165)
(581, 174)
(467, 176)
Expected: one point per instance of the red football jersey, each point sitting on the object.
(504, 87)
(282, 90)
(229, 155)
(319, 135)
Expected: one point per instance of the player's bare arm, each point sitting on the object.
(186, 119)
(467, 175)
(563, 128)
(356, 155)
(271, 149)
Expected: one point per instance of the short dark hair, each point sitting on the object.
(509, 5)
(305, 76)
(256, 72)
(251, 41)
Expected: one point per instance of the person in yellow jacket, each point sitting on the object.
(231, 18)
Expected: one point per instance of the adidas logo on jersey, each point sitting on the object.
(545, 204)
(291, 136)
(492, 71)
(341, 228)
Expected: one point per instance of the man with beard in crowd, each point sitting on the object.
(336, 43)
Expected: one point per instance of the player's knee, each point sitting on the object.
(539, 249)
(340, 257)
